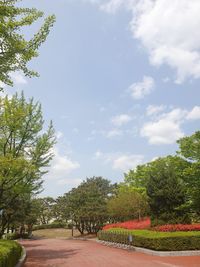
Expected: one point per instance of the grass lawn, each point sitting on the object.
(154, 234)
(55, 233)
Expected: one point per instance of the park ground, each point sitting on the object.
(60, 251)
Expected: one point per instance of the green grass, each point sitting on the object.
(10, 253)
(154, 234)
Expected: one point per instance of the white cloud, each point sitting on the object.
(140, 89)
(162, 132)
(127, 162)
(61, 167)
(194, 114)
(119, 161)
(18, 78)
(153, 109)
(70, 182)
(166, 30)
(166, 129)
(113, 133)
(121, 120)
(59, 135)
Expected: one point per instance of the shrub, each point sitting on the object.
(13, 236)
(49, 226)
(10, 253)
(159, 241)
(134, 224)
(177, 227)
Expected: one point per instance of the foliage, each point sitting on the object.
(49, 226)
(166, 193)
(190, 150)
(190, 147)
(134, 224)
(127, 203)
(177, 227)
(45, 210)
(10, 253)
(15, 50)
(175, 241)
(138, 177)
(87, 204)
(24, 154)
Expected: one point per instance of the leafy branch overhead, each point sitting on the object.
(15, 50)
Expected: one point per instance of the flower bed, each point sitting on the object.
(134, 224)
(177, 227)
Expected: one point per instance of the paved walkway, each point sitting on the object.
(75, 253)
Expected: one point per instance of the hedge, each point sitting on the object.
(160, 241)
(10, 253)
(49, 226)
(14, 236)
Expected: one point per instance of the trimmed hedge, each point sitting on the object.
(49, 226)
(10, 253)
(175, 241)
(14, 236)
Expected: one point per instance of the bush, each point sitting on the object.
(177, 227)
(159, 241)
(49, 226)
(14, 236)
(134, 224)
(10, 253)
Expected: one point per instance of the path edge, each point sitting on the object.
(150, 251)
(22, 259)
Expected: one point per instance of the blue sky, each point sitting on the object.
(120, 80)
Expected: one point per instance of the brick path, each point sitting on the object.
(75, 253)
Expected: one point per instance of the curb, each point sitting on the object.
(22, 259)
(151, 252)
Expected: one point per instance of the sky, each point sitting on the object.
(120, 79)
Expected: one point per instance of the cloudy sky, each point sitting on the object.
(120, 79)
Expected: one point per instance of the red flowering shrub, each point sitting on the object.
(134, 224)
(177, 227)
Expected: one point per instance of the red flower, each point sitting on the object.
(177, 227)
(134, 224)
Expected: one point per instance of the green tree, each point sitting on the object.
(166, 193)
(87, 204)
(25, 149)
(15, 50)
(46, 209)
(189, 149)
(128, 203)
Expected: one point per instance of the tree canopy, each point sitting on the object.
(15, 50)
(25, 149)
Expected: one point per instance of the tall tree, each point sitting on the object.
(88, 204)
(167, 193)
(128, 203)
(25, 148)
(189, 149)
(15, 50)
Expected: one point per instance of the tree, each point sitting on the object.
(15, 50)
(46, 209)
(138, 177)
(127, 204)
(25, 150)
(166, 193)
(189, 149)
(87, 204)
